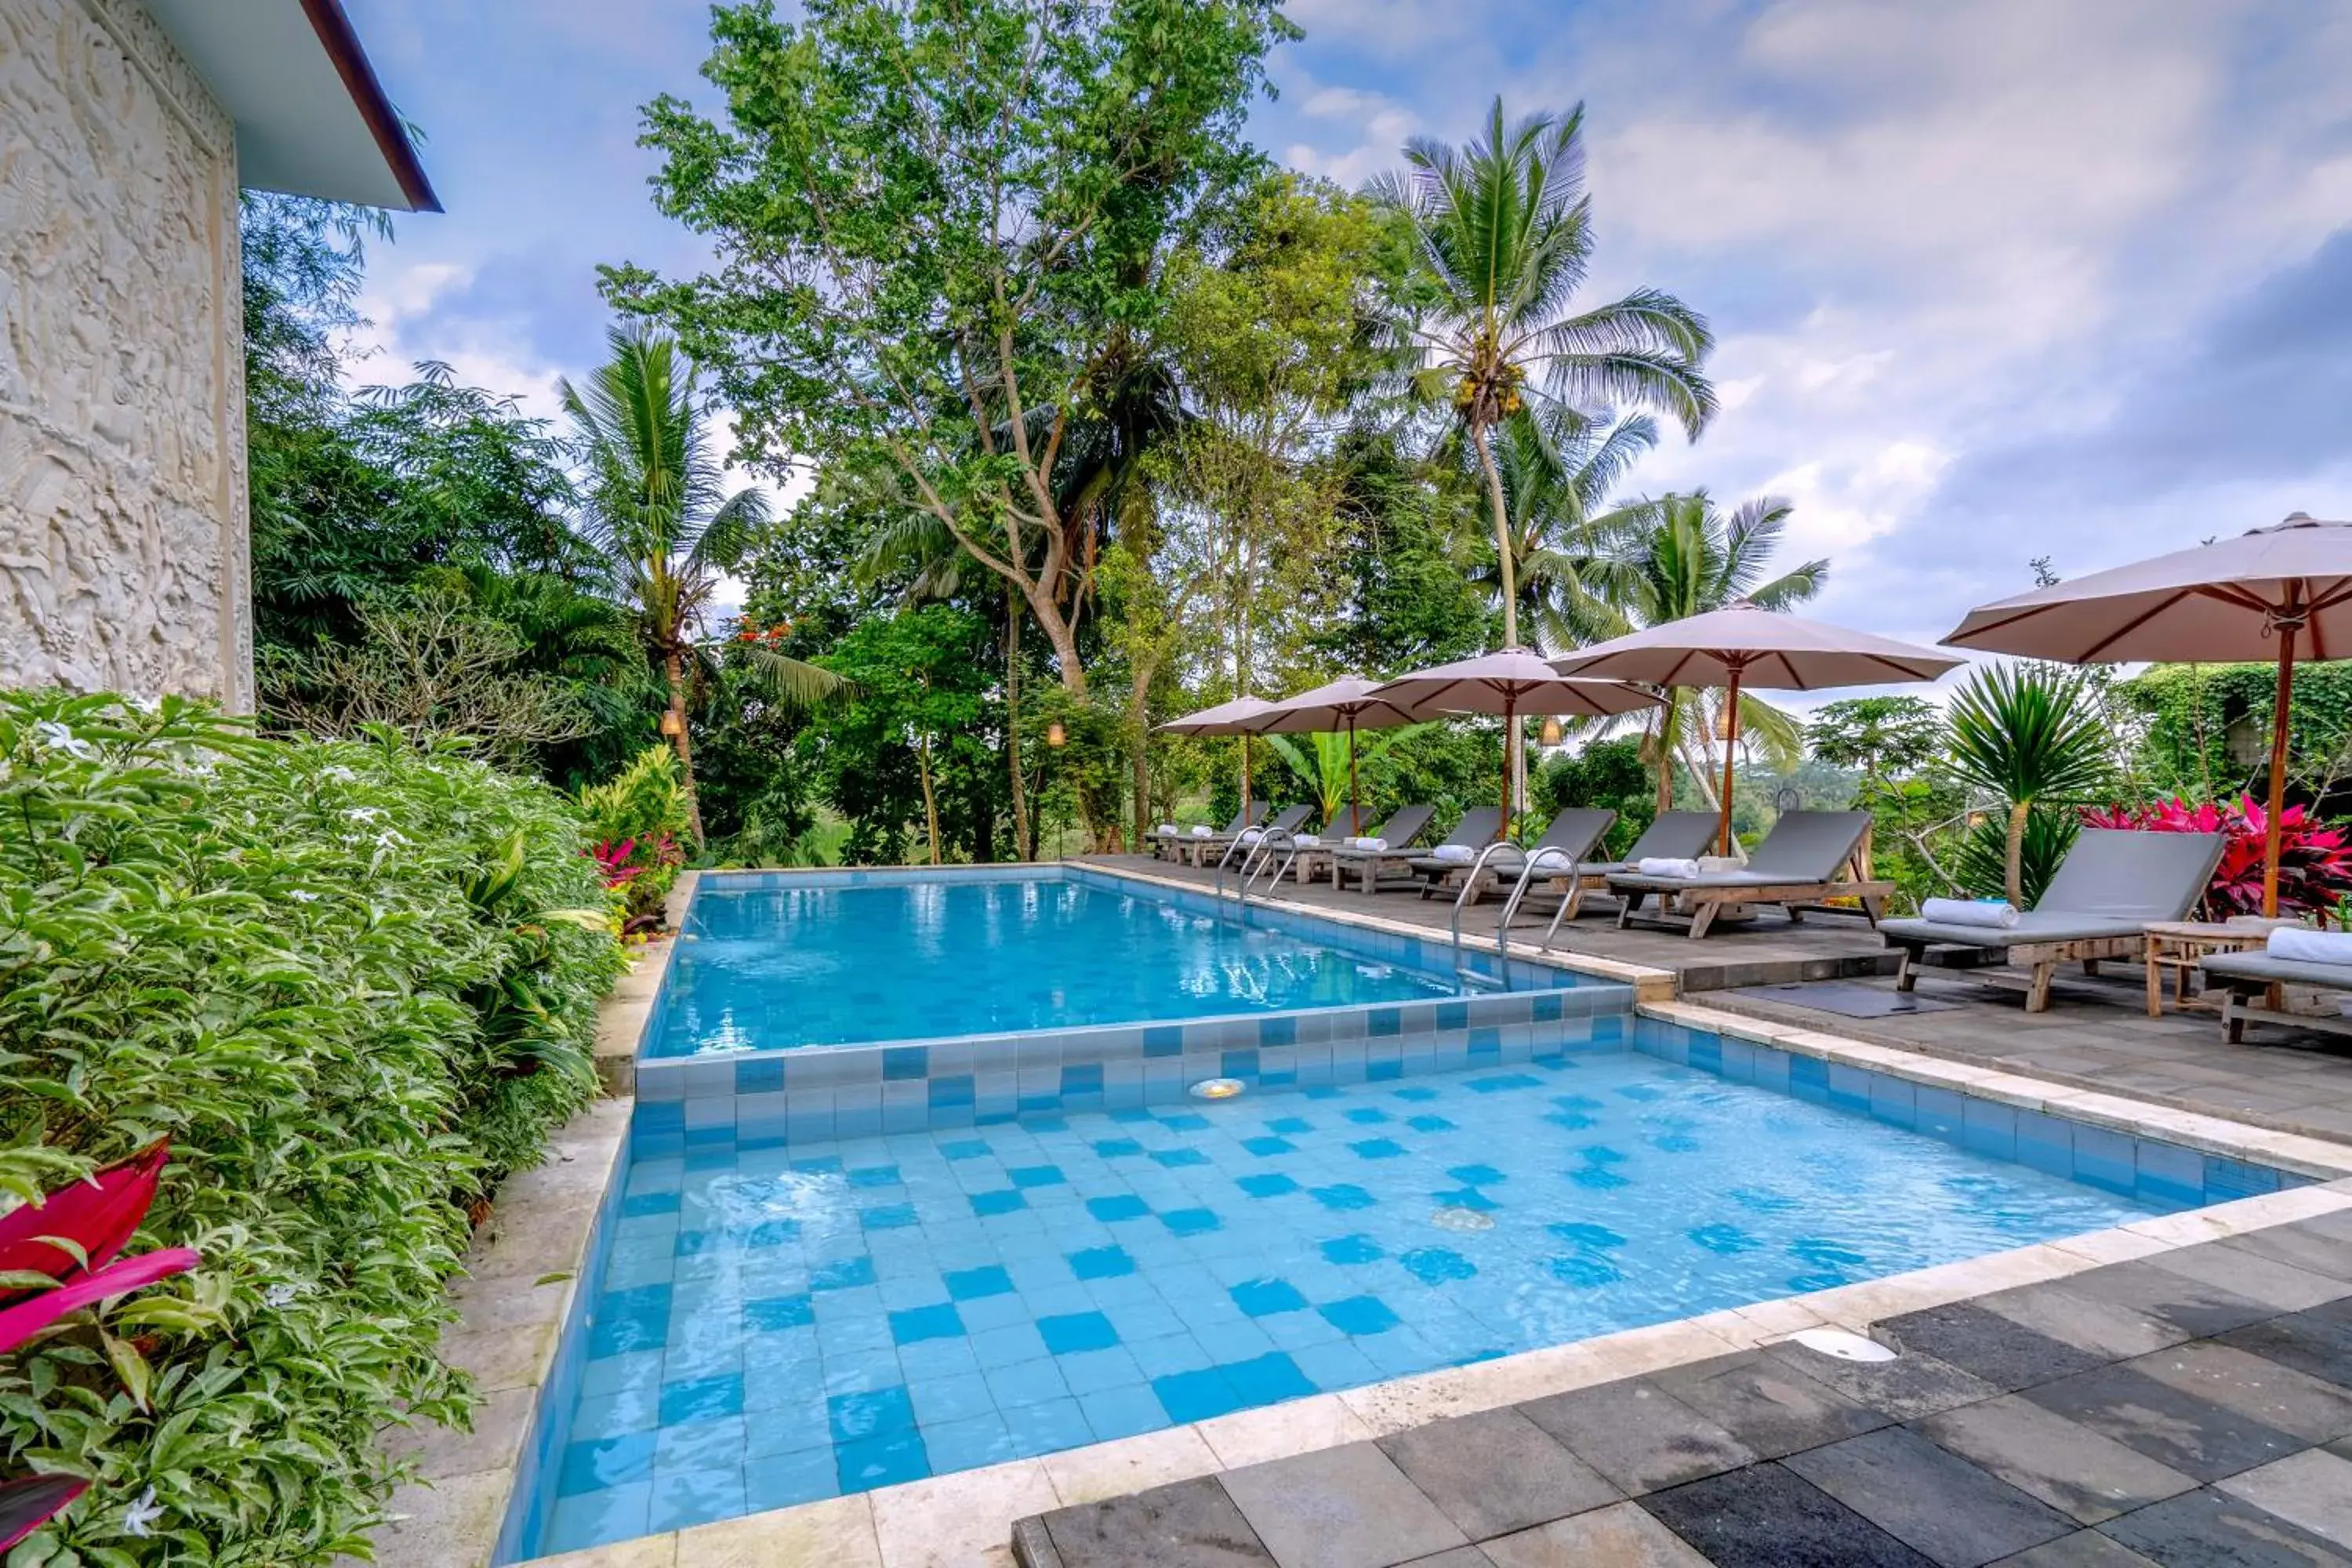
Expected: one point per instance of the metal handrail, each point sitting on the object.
(1469, 889)
(1540, 863)
(1257, 847)
(1262, 859)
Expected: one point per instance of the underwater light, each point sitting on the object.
(1217, 1089)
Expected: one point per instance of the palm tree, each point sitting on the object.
(657, 513)
(1676, 556)
(1505, 234)
(1558, 470)
(2035, 738)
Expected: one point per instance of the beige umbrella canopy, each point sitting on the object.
(2262, 597)
(1231, 718)
(1346, 704)
(1745, 644)
(1511, 681)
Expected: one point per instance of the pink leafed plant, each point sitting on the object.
(2315, 860)
(612, 860)
(29, 1502)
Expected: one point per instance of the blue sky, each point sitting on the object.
(1993, 281)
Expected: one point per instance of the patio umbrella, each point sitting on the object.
(1225, 719)
(2251, 599)
(1746, 644)
(1511, 681)
(1347, 703)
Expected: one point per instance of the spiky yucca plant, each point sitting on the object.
(2035, 738)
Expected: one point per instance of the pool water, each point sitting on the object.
(764, 968)
(774, 1326)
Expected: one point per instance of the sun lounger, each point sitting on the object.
(1167, 846)
(1404, 826)
(2244, 976)
(2112, 884)
(1801, 861)
(1202, 850)
(1475, 832)
(1676, 835)
(1568, 838)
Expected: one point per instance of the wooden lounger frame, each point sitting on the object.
(2237, 1008)
(2041, 959)
(1703, 904)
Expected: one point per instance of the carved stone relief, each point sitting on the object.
(122, 502)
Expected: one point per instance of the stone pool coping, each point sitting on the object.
(966, 1517)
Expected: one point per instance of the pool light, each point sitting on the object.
(1217, 1089)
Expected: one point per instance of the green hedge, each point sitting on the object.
(355, 983)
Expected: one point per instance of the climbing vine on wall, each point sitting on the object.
(2206, 729)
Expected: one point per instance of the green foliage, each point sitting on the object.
(910, 746)
(1609, 774)
(1981, 854)
(1408, 596)
(1879, 735)
(345, 978)
(1320, 764)
(2205, 729)
(2035, 738)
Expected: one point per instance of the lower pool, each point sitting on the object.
(775, 1325)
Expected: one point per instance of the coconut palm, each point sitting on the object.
(658, 514)
(2035, 738)
(1678, 555)
(1504, 236)
(1559, 468)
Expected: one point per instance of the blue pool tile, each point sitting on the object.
(1120, 1206)
(917, 1323)
(1082, 1077)
(643, 1203)
(1163, 1040)
(952, 1092)
(1116, 1148)
(1341, 1196)
(1122, 1412)
(1036, 1381)
(1429, 1123)
(1189, 1397)
(967, 1444)
(1088, 1370)
(627, 1320)
(1241, 1064)
(1069, 1333)
(784, 1480)
(1036, 1176)
(607, 1462)
(1583, 1232)
(1360, 1315)
(1185, 1122)
(701, 1399)
(1101, 1263)
(842, 1274)
(996, 1203)
(1436, 1265)
(874, 1176)
(1191, 1222)
(1266, 1184)
(1174, 1159)
(1377, 1149)
(1348, 1249)
(1264, 1379)
(902, 1064)
(966, 1149)
(1380, 1022)
(1367, 1116)
(1008, 1346)
(774, 1314)
(2106, 1159)
(1263, 1298)
(1046, 1427)
(1289, 1125)
(592, 1517)
(1266, 1147)
(869, 1412)
(771, 1233)
(1723, 1239)
(972, 1284)
(1584, 1271)
(1464, 1198)
(819, 1165)
(1500, 1083)
(1277, 1031)
(888, 1217)
(881, 1461)
(1476, 1176)
(1598, 1178)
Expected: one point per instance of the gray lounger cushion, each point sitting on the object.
(2113, 881)
(1478, 821)
(2261, 966)
(1673, 835)
(1804, 848)
(1403, 826)
(1572, 832)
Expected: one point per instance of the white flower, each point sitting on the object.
(279, 1295)
(57, 738)
(303, 896)
(363, 813)
(390, 838)
(339, 774)
(141, 1513)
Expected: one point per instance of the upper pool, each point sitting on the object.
(768, 964)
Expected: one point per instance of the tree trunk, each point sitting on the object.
(1139, 751)
(1025, 847)
(930, 796)
(672, 667)
(2013, 866)
(1514, 751)
(1665, 751)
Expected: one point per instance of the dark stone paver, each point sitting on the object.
(2312, 1490)
(1985, 1344)
(1903, 1389)
(1459, 1557)
(1930, 1497)
(2193, 1436)
(1621, 1535)
(2280, 1287)
(2300, 1407)
(1766, 1403)
(1639, 1436)
(2317, 1343)
(2198, 1306)
(1768, 1516)
(2069, 1466)
(2104, 1328)
(1348, 1506)
(2083, 1549)
(1496, 1472)
(1194, 1522)
(2312, 1250)
(2208, 1529)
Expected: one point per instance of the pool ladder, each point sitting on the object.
(1259, 852)
(1539, 862)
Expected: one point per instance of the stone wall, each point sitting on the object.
(122, 492)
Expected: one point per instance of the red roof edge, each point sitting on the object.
(343, 46)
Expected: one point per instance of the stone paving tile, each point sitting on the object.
(2198, 1306)
(1641, 1437)
(1194, 1522)
(2312, 1490)
(1987, 1345)
(1768, 1516)
(2300, 1407)
(2308, 1249)
(1458, 1557)
(2083, 1549)
(2193, 1436)
(1619, 1536)
(2281, 1286)
(2212, 1528)
(1905, 1388)
(1930, 1497)
(1766, 1403)
(2070, 1468)
(1348, 1506)
(2085, 1321)
(2317, 1343)
(1496, 1472)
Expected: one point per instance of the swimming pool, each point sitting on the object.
(769, 965)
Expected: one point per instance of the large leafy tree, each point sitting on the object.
(658, 513)
(1680, 555)
(939, 233)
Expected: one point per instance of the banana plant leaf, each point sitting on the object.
(29, 1502)
(99, 1215)
(22, 1320)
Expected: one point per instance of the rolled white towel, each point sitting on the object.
(2304, 945)
(1362, 842)
(1169, 830)
(1663, 866)
(1997, 913)
(1306, 840)
(1459, 854)
(1205, 831)
(1252, 834)
(1551, 858)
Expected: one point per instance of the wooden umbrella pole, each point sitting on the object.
(1730, 750)
(1503, 828)
(1355, 809)
(2280, 714)
(1245, 782)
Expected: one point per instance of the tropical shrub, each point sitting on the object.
(2037, 741)
(636, 820)
(350, 982)
(2314, 861)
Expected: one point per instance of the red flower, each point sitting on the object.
(2315, 863)
(26, 1318)
(100, 1215)
(29, 1502)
